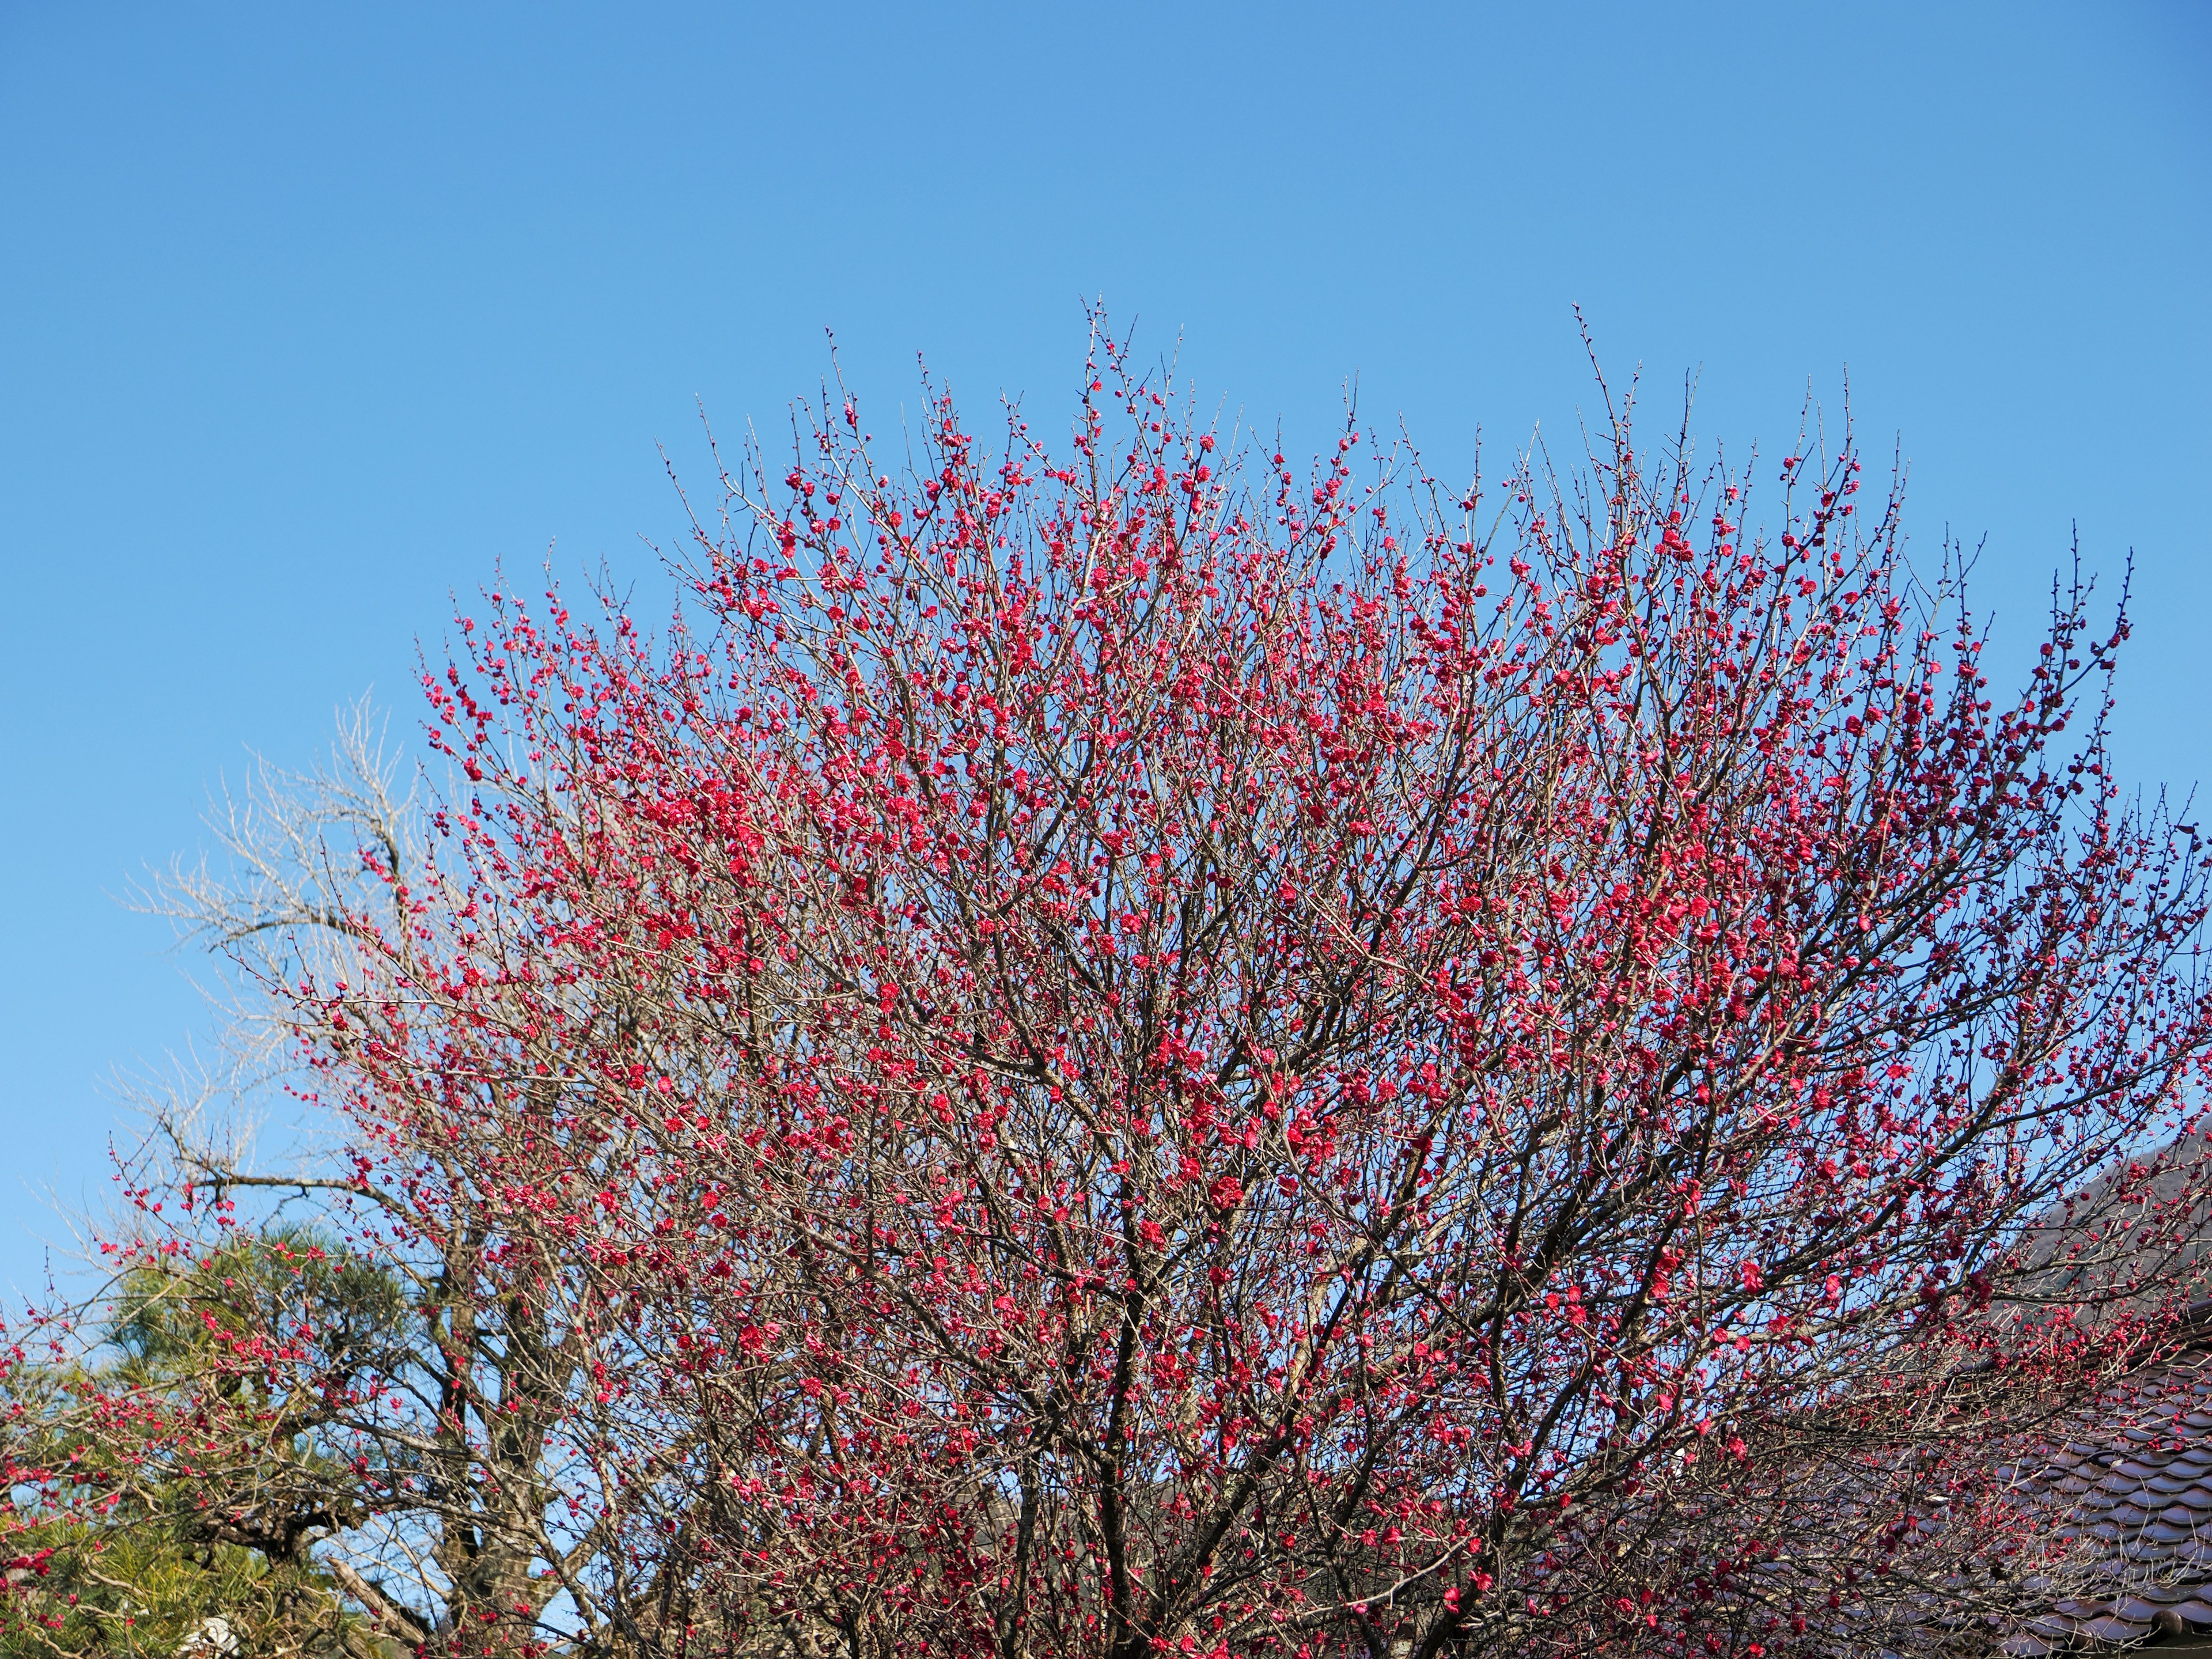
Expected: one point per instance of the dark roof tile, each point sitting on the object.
(2110, 1628)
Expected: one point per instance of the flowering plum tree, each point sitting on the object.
(1123, 1048)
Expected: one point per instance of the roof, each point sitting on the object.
(2131, 1479)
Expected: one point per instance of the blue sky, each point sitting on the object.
(308, 315)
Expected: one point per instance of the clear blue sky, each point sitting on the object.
(308, 314)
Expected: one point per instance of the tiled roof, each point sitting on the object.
(2131, 1481)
